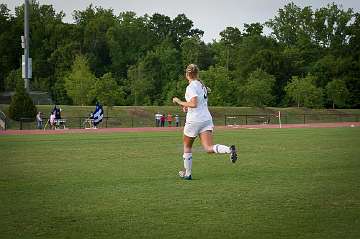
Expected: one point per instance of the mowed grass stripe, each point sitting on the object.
(288, 183)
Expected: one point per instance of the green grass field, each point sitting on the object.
(288, 183)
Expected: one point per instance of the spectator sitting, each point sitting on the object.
(52, 120)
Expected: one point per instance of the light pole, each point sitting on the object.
(26, 61)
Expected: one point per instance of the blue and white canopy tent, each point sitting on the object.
(98, 114)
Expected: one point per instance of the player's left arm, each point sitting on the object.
(191, 104)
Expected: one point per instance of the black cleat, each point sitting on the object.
(233, 155)
(182, 175)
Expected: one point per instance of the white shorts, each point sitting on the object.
(193, 129)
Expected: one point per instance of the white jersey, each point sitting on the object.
(201, 112)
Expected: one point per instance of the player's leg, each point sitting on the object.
(190, 134)
(207, 143)
(187, 157)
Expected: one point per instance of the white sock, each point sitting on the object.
(221, 149)
(187, 163)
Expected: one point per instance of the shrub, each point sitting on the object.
(21, 105)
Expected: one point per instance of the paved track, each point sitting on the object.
(152, 129)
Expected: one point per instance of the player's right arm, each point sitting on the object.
(192, 103)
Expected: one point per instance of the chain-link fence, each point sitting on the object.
(254, 119)
(83, 122)
(228, 120)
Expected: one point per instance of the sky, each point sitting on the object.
(210, 16)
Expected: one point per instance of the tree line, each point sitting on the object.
(310, 58)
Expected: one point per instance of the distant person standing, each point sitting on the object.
(157, 119)
(169, 119)
(162, 120)
(39, 120)
(57, 112)
(177, 120)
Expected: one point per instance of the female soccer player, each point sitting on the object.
(198, 121)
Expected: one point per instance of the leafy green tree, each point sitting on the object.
(62, 59)
(337, 93)
(324, 69)
(267, 59)
(182, 28)
(93, 24)
(152, 76)
(4, 17)
(326, 27)
(330, 67)
(206, 56)
(285, 26)
(351, 77)
(190, 51)
(152, 51)
(353, 84)
(258, 89)
(176, 88)
(108, 92)
(80, 82)
(46, 34)
(10, 49)
(331, 26)
(142, 84)
(226, 49)
(170, 69)
(21, 105)
(222, 88)
(354, 36)
(12, 79)
(160, 25)
(247, 55)
(128, 40)
(231, 36)
(304, 92)
(59, 94)
(253, 29)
